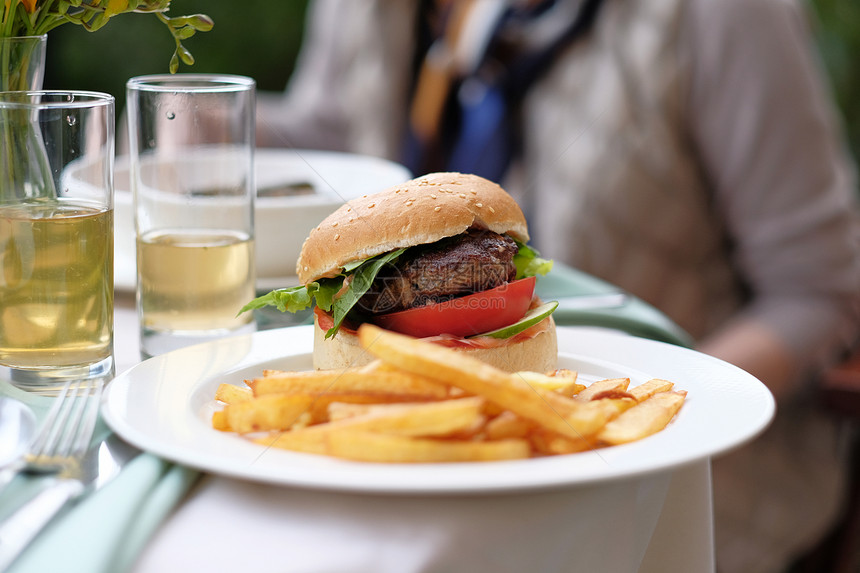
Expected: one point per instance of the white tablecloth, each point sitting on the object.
(655, 523)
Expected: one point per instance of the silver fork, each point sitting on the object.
(63, 440)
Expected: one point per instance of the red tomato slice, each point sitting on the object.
(465, 316)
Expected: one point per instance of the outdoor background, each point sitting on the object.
(260, 38)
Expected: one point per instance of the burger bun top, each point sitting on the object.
(419, 211)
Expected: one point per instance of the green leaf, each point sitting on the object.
(349, 267)
(362, 278)
(529, 263)
(326, 291)
(285, 299)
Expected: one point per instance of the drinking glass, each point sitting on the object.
(191, 143)
(56, 237)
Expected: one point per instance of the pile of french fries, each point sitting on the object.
(420, 402)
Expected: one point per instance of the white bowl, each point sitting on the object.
(281, 222)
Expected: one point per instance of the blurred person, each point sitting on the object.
(684, 150)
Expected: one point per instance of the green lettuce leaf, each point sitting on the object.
(362, 278)
(291, 299)
(325, 291)
(529, 262)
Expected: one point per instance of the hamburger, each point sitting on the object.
(442, 257)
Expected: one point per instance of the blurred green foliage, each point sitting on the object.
(256, 38)
(836, 26)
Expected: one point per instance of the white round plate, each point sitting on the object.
(164, 405)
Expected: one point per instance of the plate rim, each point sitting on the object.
(397, 482)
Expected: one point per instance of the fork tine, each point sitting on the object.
(77, 405)
(51, 426)
(68, 427)
(88, 423)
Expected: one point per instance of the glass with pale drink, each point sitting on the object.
(56, 237)
(191, 143)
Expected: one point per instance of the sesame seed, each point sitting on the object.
(462, 195)
(306, 268)
(334, 224)
(371, 206)
(437, 208)
(491, 210)
(336, 236)
(479, 205)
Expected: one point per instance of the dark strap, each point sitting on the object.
(480, 128)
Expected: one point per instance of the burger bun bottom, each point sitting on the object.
(537, 354)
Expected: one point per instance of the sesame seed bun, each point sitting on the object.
(420, 211)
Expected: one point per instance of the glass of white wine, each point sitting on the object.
(191, 144)
(56, 237)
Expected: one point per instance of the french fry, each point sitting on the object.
(564, 385)
(230, 394)
(649, 388)
(306, 440)
(564, 373)
(345, 410)
(553, 411)
(613, 395)
(351, 380)
(219, 421)
(428, 419)
(551, 444)
(548, 442)
(609, 384)
(610, 408)
(507, 425)
(277, 412)
(473, 432)
(383, 448)
(646, 418)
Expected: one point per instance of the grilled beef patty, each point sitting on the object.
(471, 262)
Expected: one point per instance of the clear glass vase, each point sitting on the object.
(24, 168)
(22, 63)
